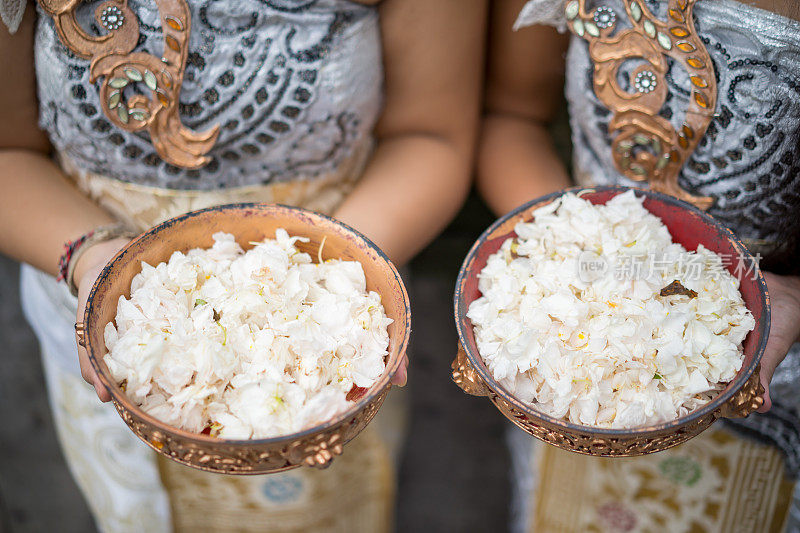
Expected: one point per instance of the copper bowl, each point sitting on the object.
(689, 227)
(247, 222)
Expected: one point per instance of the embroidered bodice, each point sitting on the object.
(295, 86)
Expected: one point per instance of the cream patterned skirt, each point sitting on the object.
(127, 487)
(715, 482)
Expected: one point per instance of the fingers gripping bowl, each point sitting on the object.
(249, 223)
(688, 227)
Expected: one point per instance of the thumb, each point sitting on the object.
(401, 376)
(774, 353)
(101, 390)
(766, 377)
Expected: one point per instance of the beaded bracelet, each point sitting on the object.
(74, 249)
(69, 249)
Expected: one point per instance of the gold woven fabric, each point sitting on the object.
(716, 481)
(142, 207)
(355, 493)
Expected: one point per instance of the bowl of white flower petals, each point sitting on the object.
(248, 338)
(611, 321)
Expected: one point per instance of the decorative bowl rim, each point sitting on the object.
(462, 322)
(384, 382)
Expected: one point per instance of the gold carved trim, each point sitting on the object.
(112, 58)
(646, 147)
(80, 333)
(253, 457)
(465, 376)
(591, 441)
(747, 400)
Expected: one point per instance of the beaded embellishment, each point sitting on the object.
(645, 145)
(112, 58)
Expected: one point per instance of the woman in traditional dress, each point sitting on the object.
(150, 108)
(701, 100)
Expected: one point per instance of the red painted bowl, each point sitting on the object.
(690, 227)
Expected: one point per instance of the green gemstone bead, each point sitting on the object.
(150, 80)
(118, 83)
(572, 10)
(657, 145)
(139, 114)
(113, 100)
(133, 74)
(636, 11)
(664, 41)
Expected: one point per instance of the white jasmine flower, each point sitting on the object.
(249, 344)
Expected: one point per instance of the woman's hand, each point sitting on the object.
(89, 265)
(784, 294)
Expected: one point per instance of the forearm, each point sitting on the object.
(517, 162)
(411, 189)
(40, 209)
